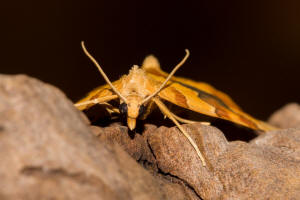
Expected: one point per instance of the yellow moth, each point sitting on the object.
(144, 87)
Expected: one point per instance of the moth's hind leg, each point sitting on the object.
(187, 121)
(170, 115)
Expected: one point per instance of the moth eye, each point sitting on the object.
(123, 108)
(142, 110)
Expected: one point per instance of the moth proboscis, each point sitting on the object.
(148, 85)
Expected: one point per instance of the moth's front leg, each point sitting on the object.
(149, 109)
(110, 109)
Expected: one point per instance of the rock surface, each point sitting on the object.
(287, 117)
(48, 150)
(267, 167)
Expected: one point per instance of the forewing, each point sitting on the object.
(202, 98)
(152, 67)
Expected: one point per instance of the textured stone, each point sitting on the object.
(286, 117)
(267, 167)
(48, 151)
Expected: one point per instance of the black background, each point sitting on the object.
(248, 49)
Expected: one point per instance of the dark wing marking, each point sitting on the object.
(207, 97)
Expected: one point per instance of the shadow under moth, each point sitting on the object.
(147, 86)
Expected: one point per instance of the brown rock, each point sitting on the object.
(236, 170)
(135, 145)
(285, 142)
(266, 168)
(287, 117)
(47, 151)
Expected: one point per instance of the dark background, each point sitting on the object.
(248, 49)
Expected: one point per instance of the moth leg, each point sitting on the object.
(109, 108)
(169, 114)
(170, 108)
(149, 109)
(96, 101)
(113, 110)
(187, 121)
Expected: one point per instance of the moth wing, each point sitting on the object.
(99, 92)
(200, 97)
(152, 66)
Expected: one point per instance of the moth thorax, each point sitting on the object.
(136, 73)
(135, 69)
(135, 84)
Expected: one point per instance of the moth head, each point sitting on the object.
(132, 109)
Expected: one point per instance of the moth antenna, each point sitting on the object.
(170, 76)
(102, 72)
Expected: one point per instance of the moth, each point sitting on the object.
(143, 88)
